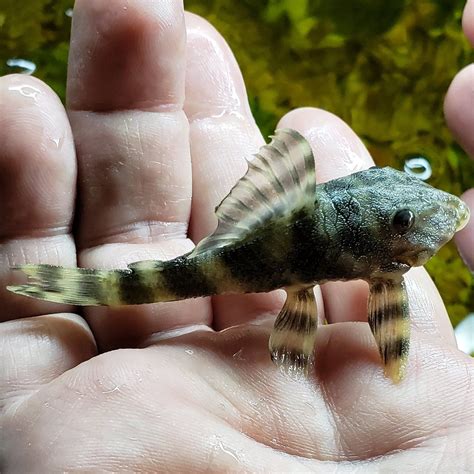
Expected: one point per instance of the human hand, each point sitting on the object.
(188, 398)
(459, 111)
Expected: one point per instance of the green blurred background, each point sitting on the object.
(382, 65)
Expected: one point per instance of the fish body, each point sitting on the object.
(278, 229)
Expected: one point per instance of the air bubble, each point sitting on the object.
(25, 66)
(418, 167)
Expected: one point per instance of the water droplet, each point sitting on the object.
(25, 66)
(26, 91)
(238, 355)
(228, 451)
(223, 451)
(464, 333)
(58, 142)
(189, 351)
(418, 167)
(112, 390)
(69, 12)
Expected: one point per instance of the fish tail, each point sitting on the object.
(76, 286)
(149, 281)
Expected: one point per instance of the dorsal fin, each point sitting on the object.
(279, 180)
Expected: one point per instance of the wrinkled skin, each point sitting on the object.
(191, 398)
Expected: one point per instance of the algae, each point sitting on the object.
(382, 65)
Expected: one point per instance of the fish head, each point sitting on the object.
(406, 220)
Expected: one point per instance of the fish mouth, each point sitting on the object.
(416, 258)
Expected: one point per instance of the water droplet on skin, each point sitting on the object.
(221, 450)
(228, 451)
(25, 66)
(112, 390)
(464, 333)
(26, 91)
(418, 167)
(238, 355)
(69, 12)
(189, 351)
(58, 142)
(353, 161)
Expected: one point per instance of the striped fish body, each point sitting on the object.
(278, 229)
(286, 253)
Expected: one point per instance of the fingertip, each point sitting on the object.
(36, 85)
(465, 238)
(37, 159)
(214, 82)
(27, 99)
(127, 55)
(338, 151)
(458, 108)
(468, 21)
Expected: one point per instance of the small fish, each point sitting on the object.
(278, 229)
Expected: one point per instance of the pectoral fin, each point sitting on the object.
(390, 325)
(294, 333)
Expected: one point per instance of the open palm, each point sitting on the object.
(161, 130)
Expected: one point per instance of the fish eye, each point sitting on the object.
(403, 220)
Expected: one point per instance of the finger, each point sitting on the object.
(465, 238)
(468, 21)
(459, 110)
(34, 351)
(223, 134)
(129, 127)
(125, 94)
(37, 187)
(338, 152)
(460, 117)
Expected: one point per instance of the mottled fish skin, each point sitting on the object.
(278, 229)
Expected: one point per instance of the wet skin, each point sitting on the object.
(189, 399)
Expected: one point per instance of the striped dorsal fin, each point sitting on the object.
(279, 181)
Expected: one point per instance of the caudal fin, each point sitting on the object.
(76, 286)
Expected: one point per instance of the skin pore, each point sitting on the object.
(143, 160)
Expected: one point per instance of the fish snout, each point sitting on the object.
(461, 211)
